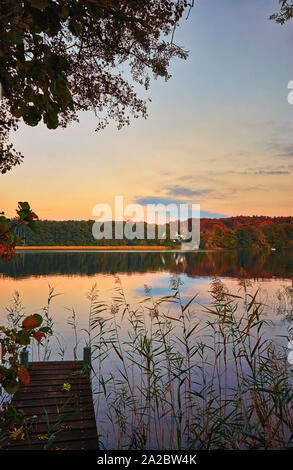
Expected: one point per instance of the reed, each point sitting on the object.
(174, 374)
(179, 381)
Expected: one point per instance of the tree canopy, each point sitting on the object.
(8, 236)
(59, 57)
(255, 232)
(285, 13)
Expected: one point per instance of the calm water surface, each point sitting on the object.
(73, 274)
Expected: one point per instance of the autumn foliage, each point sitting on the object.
(23, 375)
(247, 232)
(258, 232)
(12, 341)
(8, 229)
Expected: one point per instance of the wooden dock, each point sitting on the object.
(57, 401)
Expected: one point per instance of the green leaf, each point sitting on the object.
(11, 387)
(24, 206)
(32, 116)
(64, 12)
(15, 36)
(39, 318)
(46, 329)
(17, 110)
(39, 4)
(51, 119)
(23, 338)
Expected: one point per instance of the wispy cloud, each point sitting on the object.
(144, 200)
(177, 195)
(263, 172)
(212, 215)
(283, 150)
(259, 125)
(287, 151)
(187, 192)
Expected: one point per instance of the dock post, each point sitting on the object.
(87, 356)
(24, 358)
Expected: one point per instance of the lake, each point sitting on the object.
(155, 356)
(72, 274)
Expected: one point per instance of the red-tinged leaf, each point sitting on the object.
(192, 330)
(252, 301)
(255, 347)
(171, 318)
(209, 310)
(23, 375)
(2, 350)
(31, 322)
(39, 335)
(7, 251)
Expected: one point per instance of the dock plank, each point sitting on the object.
(70, 412)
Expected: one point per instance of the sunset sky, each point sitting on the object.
(219, 133)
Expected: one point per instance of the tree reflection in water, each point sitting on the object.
(239, 264)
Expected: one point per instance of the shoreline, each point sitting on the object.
(96, 248)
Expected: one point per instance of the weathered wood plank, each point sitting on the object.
(36, 388)
(44, 402)
(76, 430)
(51, 380)
(53, 409)
(39, 395)
(50, 374)
(36, 364)
(72, 418)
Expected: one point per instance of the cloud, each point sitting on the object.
(272, 172)
(212, 215)
(187, 192)
(176, 195)
(144, 200)
(281, 150)
(287, 151)
(264, 172)
(259, 125)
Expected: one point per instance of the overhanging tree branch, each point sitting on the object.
(58, 57)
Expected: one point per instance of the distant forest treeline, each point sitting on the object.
(233, 232)
(247, 232)
(79, 233)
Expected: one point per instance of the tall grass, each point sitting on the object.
(176, 381)
(174, 374)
